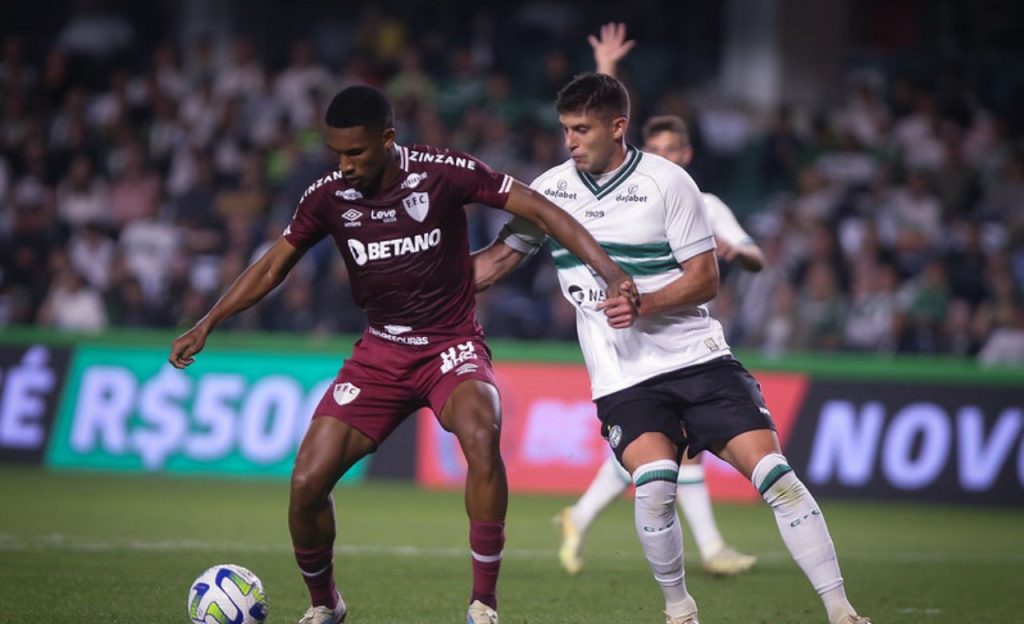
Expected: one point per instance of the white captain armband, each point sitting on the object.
(521, 235)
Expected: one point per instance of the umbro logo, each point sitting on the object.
(352, 216)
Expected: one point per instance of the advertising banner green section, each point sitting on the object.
(229, 413)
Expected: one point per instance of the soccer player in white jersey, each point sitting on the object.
(668, 137)
(664, 365)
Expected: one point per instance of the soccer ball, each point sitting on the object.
(227, 594)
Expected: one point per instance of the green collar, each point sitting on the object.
(633, 156)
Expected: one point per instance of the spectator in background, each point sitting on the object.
(302, 84)
(82, 196)
(871, 319)
(135, 192)
(918, 135)
(927, 301)
(780, 153)
(820, 310)
(91, 254)
(865, 116)
(914, 222)
(127, 306)
(71, 304)
(242, 75)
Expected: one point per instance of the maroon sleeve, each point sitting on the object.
(306, 228)
(480, 183)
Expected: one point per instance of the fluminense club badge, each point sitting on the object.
(417, 205)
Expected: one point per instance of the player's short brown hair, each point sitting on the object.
(593, 92)
(666, 123)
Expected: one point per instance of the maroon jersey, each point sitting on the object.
(407, 247)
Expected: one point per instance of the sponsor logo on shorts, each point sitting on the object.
(711, 344)
(466, 368)
(459, 354)
(345, 393)
(615, 436)
(397, 336)
(764, 410)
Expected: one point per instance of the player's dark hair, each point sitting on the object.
(592, 92)
(667, 123)
(360, 105)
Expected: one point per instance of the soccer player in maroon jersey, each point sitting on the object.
(396, 215)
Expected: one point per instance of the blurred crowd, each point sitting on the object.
(132, 193)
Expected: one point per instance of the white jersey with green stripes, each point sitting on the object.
(649, 216)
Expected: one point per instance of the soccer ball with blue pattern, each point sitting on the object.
(227, 594)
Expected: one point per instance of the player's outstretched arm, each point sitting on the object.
(749, 255)
(494, 262)
(611, 47)
(698, 284)
(252, 285)
(526, 203)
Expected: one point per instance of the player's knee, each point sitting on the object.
(776, 481)
(307, 488)
(656, 487)
(480, 444)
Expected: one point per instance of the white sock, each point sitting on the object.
(657, 526)
(610, 481)
(692, 496)
(803, 530)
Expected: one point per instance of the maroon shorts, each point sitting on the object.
(381, 384)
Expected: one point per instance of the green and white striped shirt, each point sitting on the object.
(649, 216)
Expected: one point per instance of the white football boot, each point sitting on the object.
(479, 613)
(727, 561)
(326, 615)
(570, 552)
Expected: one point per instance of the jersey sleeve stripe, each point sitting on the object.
(506, 184)
(517, 241)
(695, 248)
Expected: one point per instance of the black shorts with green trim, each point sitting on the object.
(698, 408)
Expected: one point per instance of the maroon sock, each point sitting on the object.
(317, 567)
(486, 540)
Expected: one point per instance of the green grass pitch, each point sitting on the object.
(123, 549)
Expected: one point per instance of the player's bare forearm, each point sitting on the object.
(254, 283)
(750, 257)
(556, 223)
(698, 284)
(494, 262)
(251, 286)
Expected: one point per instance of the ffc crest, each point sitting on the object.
(345, 393)
(417, 205)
